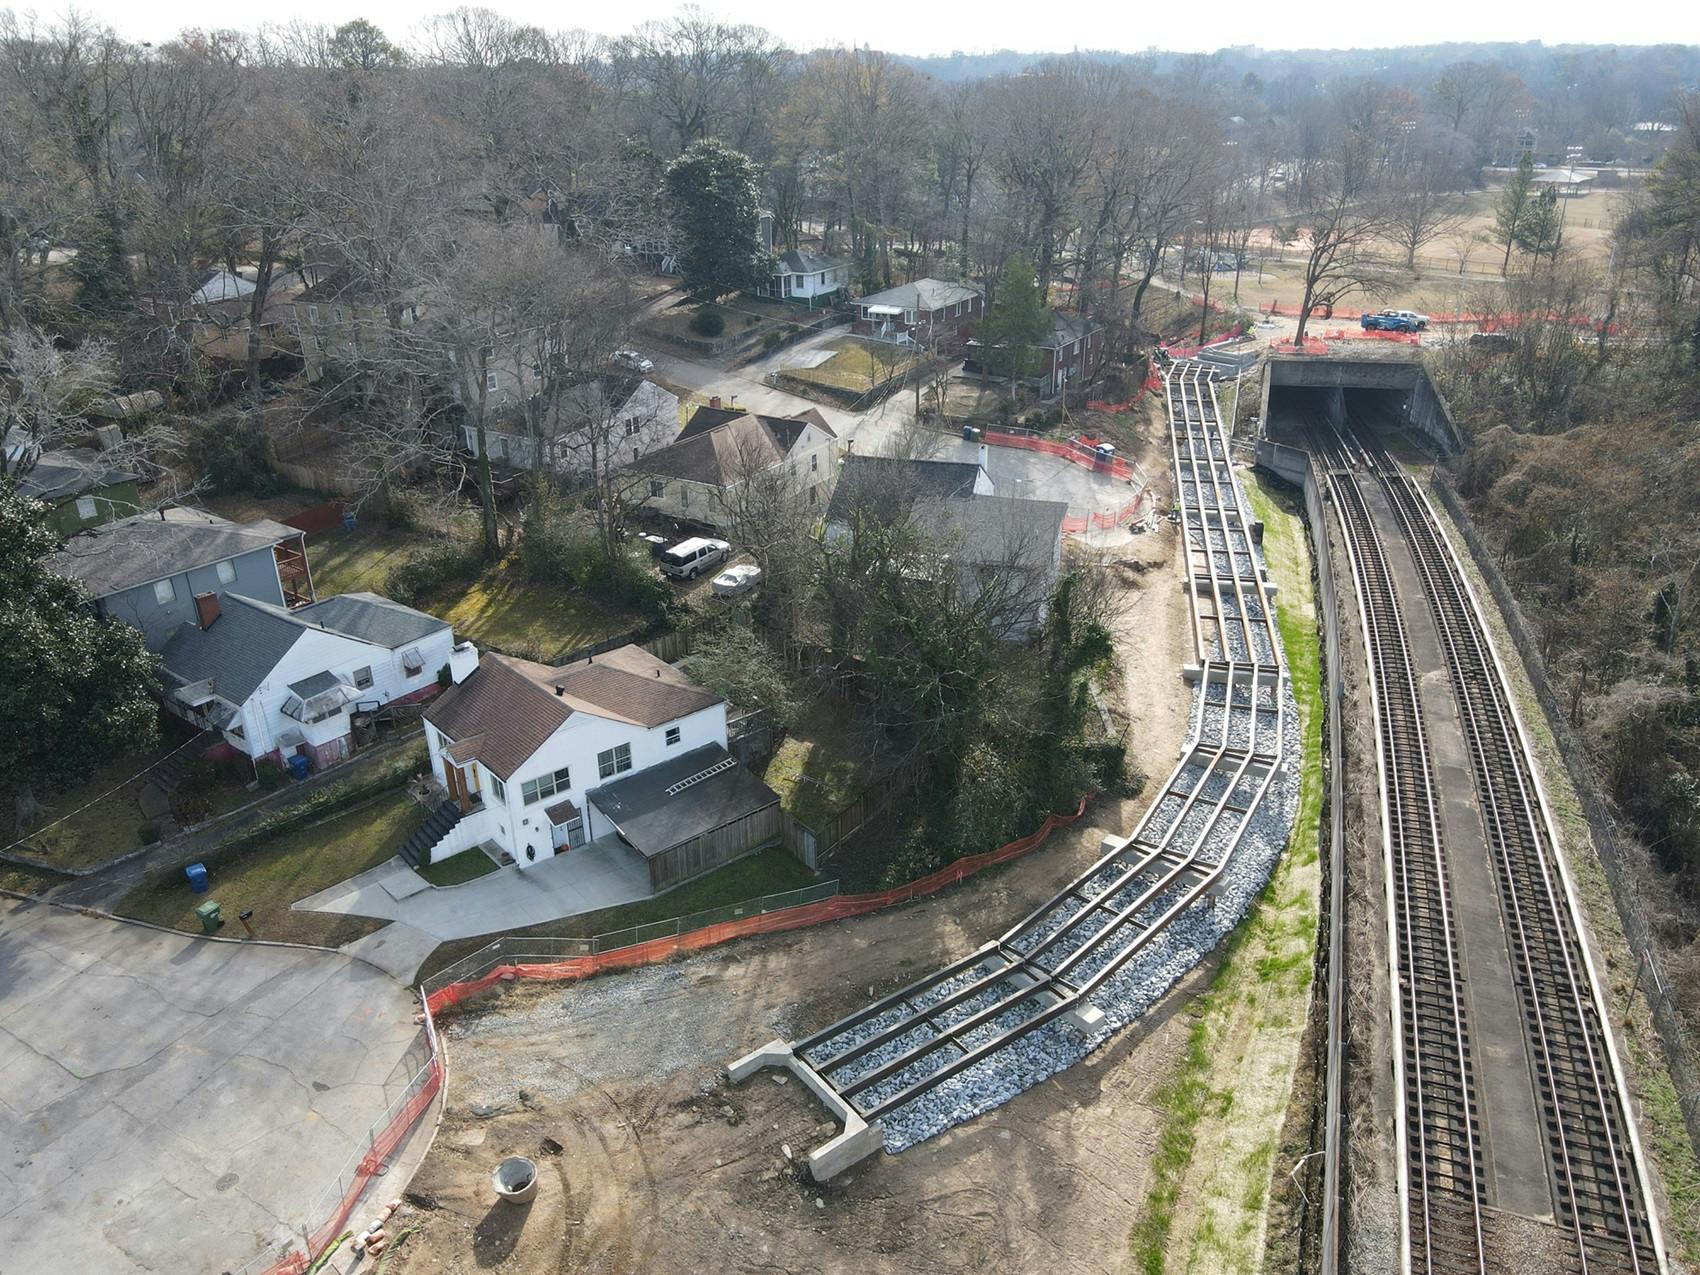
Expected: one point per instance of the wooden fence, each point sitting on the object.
(720, 846)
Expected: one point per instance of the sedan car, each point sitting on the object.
(634, 361)
(735, 580)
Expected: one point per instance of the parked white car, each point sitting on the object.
(735, 580)
(690, 558)
(633, 360)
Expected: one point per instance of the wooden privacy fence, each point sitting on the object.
(716, 847)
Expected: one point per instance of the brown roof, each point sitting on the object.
(561, 812)
(718, 442)
(516, 704)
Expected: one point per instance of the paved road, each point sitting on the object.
(176, 1105)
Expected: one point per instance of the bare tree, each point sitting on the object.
(1340, 218)
(1421, 210)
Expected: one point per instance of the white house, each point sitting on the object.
(696, 478)
(794, 275)
(278, 683)
(626, 415)
(540, 760)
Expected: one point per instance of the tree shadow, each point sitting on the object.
(498, 1232)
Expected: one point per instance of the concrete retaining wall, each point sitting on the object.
(1425, 410)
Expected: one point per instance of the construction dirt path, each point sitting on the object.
(651, 1162)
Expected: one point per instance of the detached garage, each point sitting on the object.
(692, 814)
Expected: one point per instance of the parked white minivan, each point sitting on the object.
(690, 558)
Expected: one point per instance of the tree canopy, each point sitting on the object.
(712, 196)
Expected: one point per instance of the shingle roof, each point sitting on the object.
(318, 684)
(654, 820)
(717, 443)
(70, 472)
(997, 530)
(514, 703)
(794, 262)
(148, 547)
(923, 294)
(887, 487)
(238, 652)
(371, 619)
(562, 812)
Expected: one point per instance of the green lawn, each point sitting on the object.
(468, 865)
(357, 561)
(823, 763)
(502, 609)
(1226, 1103)
(857, 366)
(272, 874)
(771, 871)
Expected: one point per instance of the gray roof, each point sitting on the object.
(923, 294)
(997, 530)
(371, 619)
(148, 547)
(238, 652)
(794, 262)
(654, 821)
(318, 684)
(70, 472)
(1066, 327)
(887, 487)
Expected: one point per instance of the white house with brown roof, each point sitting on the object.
(540, 760)
(696, 477)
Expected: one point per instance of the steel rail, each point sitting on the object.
(1439, 1082)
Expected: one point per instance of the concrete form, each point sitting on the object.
(859, 1138)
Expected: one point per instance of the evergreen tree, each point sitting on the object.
(75, 689)
(710, 191)
(1543, 225)
(1513, 207)
(1017, 321)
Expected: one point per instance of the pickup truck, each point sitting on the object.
(1394, 321)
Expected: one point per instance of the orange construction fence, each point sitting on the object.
(1078, 453)
(838, 908)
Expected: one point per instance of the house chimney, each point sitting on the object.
(985, 458)
(206, 609)
(714, 402)
(560, 692)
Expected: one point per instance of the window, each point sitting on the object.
(684, 496)
(363, 677)
(814, 463)
(85, 507)
(656, 489)
(489, 380)
(499, 788)
(537, 371)
(614, 761)
(336, 315)
(533, 790)
(672, 736)
(164, 592)
(631, 426)
(312, 314)
(227, 572)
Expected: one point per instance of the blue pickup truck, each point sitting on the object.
(1394, 321)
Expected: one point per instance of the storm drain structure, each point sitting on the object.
(1095, 956)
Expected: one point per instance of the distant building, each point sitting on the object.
(1067, 354)
(628, 415)
(798, 276)
(696, 477)
(83, 486)
(926, 311)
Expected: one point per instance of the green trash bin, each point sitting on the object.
(211, 921)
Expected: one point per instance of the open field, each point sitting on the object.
(271, 875)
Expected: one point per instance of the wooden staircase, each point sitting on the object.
(417, 848)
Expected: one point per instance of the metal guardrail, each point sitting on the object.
(543, 949)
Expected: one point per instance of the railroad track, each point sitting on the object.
(1594, 1168)
(955, 1026)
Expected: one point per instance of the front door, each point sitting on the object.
(462, 784)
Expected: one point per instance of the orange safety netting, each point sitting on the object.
(837, 908)
(1068, 449)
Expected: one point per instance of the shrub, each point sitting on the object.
(566, 551)
(406, 509)
(268, 772)
(772, 341)
(147, 833)
(737, 664)
(438, 561)
(445, 678)
(708, 322)
(234, 454)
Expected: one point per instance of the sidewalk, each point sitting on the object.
(603, 874)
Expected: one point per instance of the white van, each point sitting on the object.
(690, 558)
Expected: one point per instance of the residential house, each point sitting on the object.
(798, 276)
(84, 486)
(696, 477)
(627, 415)
(338, 319)
(216, 316)
(539, 761)
(928, 311)
(989, 541)
(1067, 354)
(278, 683)
(148, 569)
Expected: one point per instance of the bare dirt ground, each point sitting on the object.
(654, 1164)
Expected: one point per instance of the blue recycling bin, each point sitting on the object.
(197, 874)
(968, 432)
(298, 767)
(348, 520)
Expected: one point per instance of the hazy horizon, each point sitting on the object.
(895, 26)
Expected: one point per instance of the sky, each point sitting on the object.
(903, 26)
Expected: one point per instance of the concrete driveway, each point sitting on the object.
(173, 1104)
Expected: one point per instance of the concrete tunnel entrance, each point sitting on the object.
(1386, 391)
